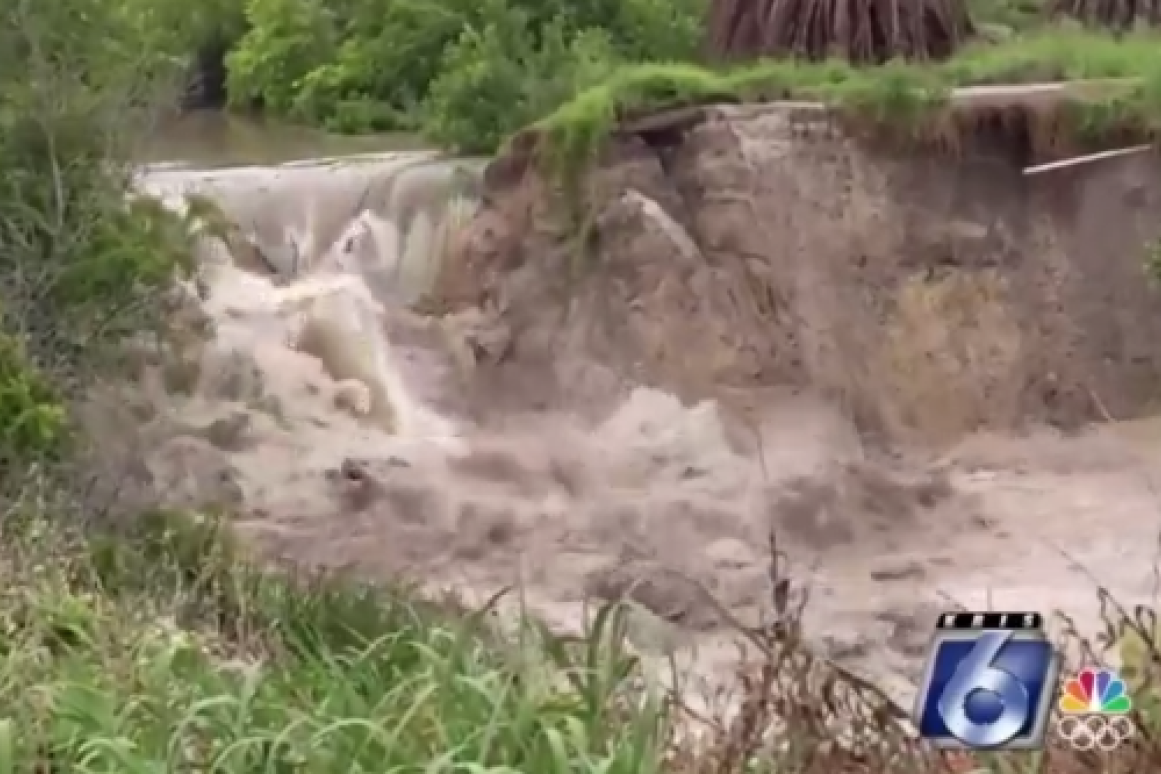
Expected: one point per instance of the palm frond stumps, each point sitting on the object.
(859, 31)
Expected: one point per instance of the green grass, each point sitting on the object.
(159, 649)
(899, 95)
(165, 654)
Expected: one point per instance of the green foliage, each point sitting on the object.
(286, 41)
(527, 60)
(1141, 666)
(1007, 17)
(82, 269)
(640, 30)
(380, 75)
(171, 33)
(1151, 265)
(464, 72)
(31, 412)
(495, 80)
(150, 652)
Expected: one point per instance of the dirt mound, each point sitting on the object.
(932, 296)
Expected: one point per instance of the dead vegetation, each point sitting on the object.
(859, 32)
(1118, 15)
(801, 713)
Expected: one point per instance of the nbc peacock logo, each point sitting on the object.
(1095, 711)
(1095, 692)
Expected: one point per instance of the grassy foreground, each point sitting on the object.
(902, 96)
(162, 650)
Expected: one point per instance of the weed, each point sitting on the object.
(146, 651)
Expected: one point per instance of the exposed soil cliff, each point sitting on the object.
(933, 294)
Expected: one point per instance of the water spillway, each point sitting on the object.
(391, 212)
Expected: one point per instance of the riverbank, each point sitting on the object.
(463, 73)
(910, 102)
(161, 650)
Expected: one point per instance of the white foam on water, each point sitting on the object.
(319, 319)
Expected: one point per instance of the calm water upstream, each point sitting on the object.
(215, 139)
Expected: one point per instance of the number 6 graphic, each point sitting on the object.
(977, 673)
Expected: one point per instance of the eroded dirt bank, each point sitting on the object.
(908, 353)
(932, 295)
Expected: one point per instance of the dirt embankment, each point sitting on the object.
(932, 294)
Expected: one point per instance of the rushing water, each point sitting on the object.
(294, 191)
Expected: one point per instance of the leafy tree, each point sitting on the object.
(285, 42)
(174, 33)
(80, 268)
(390, 59)
(466, 72)
(495, 80)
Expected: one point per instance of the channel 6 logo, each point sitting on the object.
(989, 682)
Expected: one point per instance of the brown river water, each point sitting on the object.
(210, 139)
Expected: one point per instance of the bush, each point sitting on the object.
(524, 62)
(495, 80)
(286, 41)
(174, 34)
(465, 72)
(82, 269)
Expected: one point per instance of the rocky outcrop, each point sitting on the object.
(934, 294)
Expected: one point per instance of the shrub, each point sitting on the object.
(455, 68)
(174, 34)
(83, 269)
(495, 80)
(285, 42)
(382, 72)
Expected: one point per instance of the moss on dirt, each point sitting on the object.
(897, 96)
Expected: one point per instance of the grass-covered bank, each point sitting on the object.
(899, 95)
(468, 74)
(160, 651)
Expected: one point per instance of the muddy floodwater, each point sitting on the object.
(211, 138)
(381, 448)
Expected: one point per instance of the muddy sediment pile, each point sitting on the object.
(932, 294)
